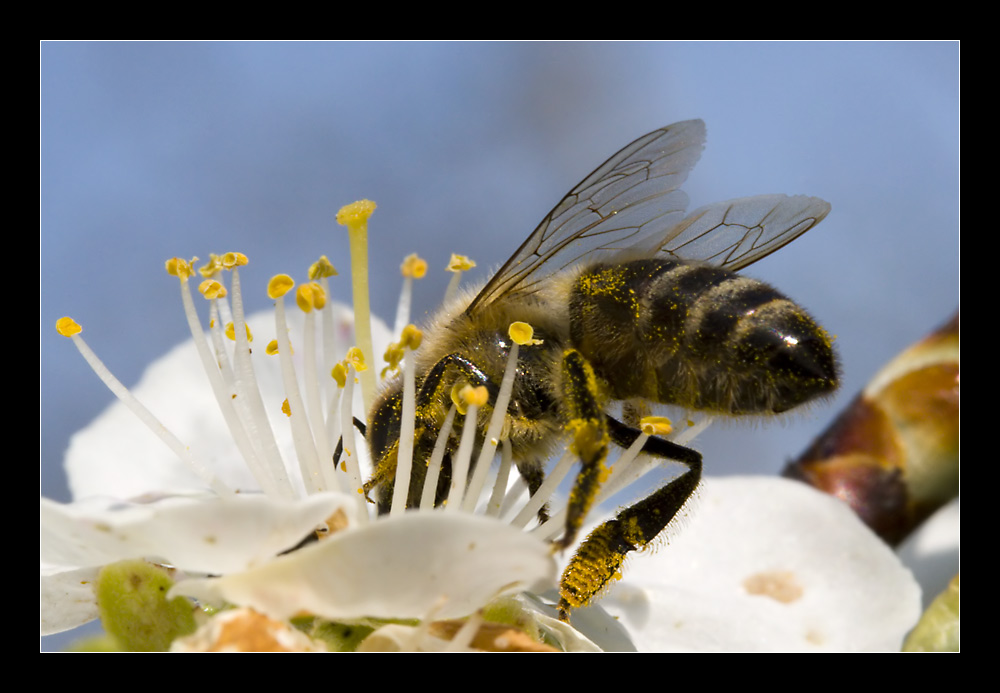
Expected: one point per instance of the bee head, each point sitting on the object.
(384, 419)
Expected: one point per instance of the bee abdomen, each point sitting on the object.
(698, 336)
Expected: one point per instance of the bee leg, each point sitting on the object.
(429, 412)
(533, 473)
(358, 424)
(589, 438)
(599, 559)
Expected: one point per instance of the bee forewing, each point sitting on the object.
(736, 233)
(631, 195)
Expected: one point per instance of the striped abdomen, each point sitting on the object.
(699, 337)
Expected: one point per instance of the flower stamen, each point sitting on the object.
(456, 265)
(67, 327)
(354, 363)
(409, 342)
(521, 333)
(413, 267)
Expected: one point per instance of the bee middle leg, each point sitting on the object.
(585, 423)
(599, 559)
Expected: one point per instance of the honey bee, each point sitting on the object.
(632, 300)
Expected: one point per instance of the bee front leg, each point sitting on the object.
(432, 392)
(432, 402)
(599, 559)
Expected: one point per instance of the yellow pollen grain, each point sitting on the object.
(633, 533)
(210, 288)
(279, 285)
(460, 263)
(272, 347)
(285, 409)
(321, 268)
(656, 425)
(522, 333)
(68, 327)
(413, 266)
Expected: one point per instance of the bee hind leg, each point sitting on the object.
(599, 559)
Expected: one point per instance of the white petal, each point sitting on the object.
(204, 534)
(414, 566)
(932, 552)
(66, 600)
(767, 564)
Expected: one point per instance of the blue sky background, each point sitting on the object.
(153, 150)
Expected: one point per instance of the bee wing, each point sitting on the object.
(736, 233)
(627, 200)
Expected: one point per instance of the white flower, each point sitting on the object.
(416, 566)
(768, 564)
(199, 534)
(762, 564)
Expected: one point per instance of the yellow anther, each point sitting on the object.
(230, 260)
(304, 298)
(321, 268)
(231, 332)
(279, 285)
(460, 263)
(522, 333)
(393, 356)
(319, 295)
(212, 267)
(210, 288)
(477, 396)
(272, 347)
(656, 425)
(339, 374)
(413, 266)
(456, 396)
(411, 338)
(180, 268)
(67, 327)
(355, 214)
(285, 409)
(356, 358)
